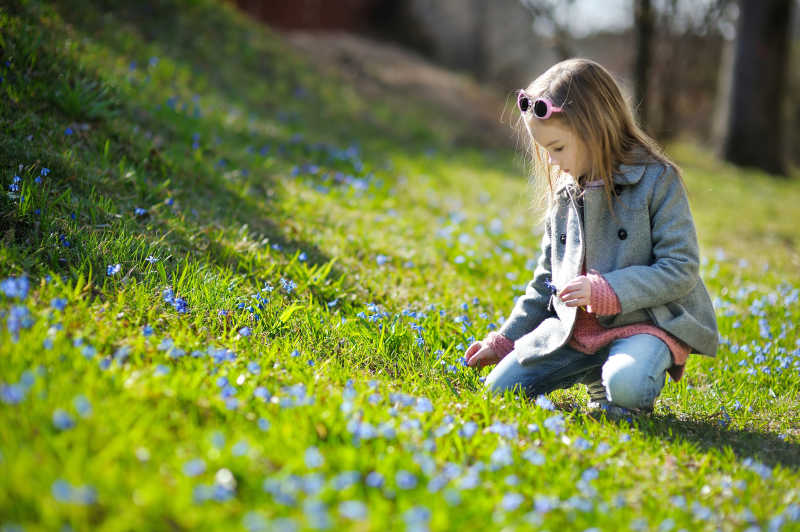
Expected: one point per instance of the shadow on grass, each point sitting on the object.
(188, 34)
(766, 448)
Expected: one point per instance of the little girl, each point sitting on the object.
(616, 300)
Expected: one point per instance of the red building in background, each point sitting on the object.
(344, 15)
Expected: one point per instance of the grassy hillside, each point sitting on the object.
(236, 292)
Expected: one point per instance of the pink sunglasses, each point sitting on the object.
(542, 107)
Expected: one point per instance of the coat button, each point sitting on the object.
(563, 238)
(623, 234)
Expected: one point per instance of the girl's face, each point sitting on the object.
(566, 150)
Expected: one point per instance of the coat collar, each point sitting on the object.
(625, 174)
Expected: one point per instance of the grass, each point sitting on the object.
(300, 269)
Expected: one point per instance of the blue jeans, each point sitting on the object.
(629, 372)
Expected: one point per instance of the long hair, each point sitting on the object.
(595, 110)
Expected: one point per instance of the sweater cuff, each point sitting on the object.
(499, 344)
(603, 300)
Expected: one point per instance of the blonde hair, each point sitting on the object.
(595, 110)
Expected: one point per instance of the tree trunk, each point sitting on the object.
(643, 20)
(755, 133)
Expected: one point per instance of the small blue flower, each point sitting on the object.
(62, 420)
(195, 467)
(169, 201)
(61, 491)
(58, 303)
(302, 257)
(15, 287)
(19, 317)
(555, 423)
(405, 480)
(543, 402)
(550, 286)
(262, 393)
(138, 211)
(68, 131)
(313, 458)
(374, 480)
(511, 501)
(113, 269)
(12, 394)
(244, 331)
(180, 305)
(45, 171)
(147, 331)
(263, 424)
(254, 368)
(82, 405)
(288, 285)
(468, 430)
(355, 510)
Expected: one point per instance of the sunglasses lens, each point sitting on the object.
(524, 103)
(540, 108)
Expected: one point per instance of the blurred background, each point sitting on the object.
(722, 73)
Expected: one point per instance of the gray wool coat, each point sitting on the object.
(648, 254)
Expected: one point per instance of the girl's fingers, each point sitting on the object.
(479, 357)
(472, 349)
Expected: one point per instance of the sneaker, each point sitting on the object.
(615, 411)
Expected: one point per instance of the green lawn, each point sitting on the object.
(236, 293)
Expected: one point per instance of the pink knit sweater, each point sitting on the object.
(588, 336)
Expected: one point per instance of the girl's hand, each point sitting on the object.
(577, 292)
(480, 354)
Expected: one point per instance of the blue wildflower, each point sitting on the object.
(58, 303)
(353, 510)
(555, 423)
(194, 467)
(19, 317)
(533, 456)
(82, 405)
(468, 430)
(543, 402)
(313, 458)
(113, 269)
(374, 480)
(45, 171)
(244, 331)
(62, 420)
(68, 131)
(12, 394)
(423, 405)
(288, 285)
(511, 501)
(15, 287)
(405, 480)
(138, 211)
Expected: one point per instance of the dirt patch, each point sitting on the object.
(381, 69)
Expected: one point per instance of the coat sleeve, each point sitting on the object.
(675, 268)
(531, 308)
